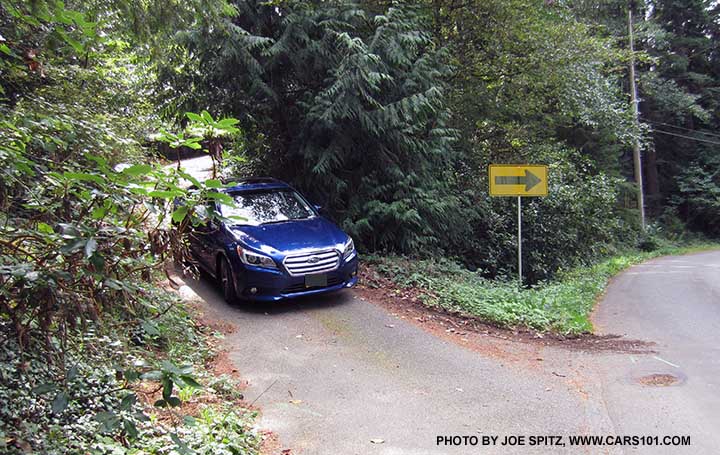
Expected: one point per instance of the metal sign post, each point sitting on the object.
(520, 240)
(518, 180)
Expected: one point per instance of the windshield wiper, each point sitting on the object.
(276, 222)
(285, 221)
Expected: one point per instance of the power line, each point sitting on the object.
(686, 137)
(681, 128)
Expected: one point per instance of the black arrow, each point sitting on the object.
(530, 180)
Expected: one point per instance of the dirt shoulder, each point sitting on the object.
(474, 333)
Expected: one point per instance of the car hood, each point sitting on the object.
(290, 236)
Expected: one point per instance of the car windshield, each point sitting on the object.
(270, 206)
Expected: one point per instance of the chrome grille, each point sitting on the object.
(312, 262)
(333, 280)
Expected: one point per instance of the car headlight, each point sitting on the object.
(349, 249)
(255, 259)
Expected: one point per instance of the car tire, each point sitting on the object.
(227, 284)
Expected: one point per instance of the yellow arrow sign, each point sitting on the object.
(518, 180)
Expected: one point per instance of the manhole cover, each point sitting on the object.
(659, 380)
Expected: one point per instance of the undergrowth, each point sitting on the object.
(100, 390)
(561, 306)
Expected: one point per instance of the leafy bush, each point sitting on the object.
(90, 396)
(84, 229)
(363, 131)
(577, 223)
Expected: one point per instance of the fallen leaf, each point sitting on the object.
(295, 401)
(377, 441)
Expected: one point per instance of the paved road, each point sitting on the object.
(342, 372)
(333, 374)
(199, 167)
(674, 302)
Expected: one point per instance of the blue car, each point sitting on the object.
(276, 246)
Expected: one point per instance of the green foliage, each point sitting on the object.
(528, 75)
(698, 198)
(84, 239)
(577, 223)
(352, 106)
(562, 306)
(222, 432)
(53, 407)
(88, 399)
(678, 76)
(85, 224)
(371, 138)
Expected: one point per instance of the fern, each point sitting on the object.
(351, 106)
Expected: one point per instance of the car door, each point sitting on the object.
(202, 242)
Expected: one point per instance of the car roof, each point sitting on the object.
(255, 183)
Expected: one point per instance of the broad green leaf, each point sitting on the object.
(138, 190)
(44, 388)
(109, 421)
(98, 262)
(182, 448)
(45, 228)
(213, 183)
(72, 373)
(137, 169)
(165, 194)
(153, 375)
(190, 381)
(128, 401)
(193, 144)
(227, 122)
(220, 197)
(73, 246)
(194, 117)
(84, 177)
(60, 403)
(77, 45)
(170, 367)
(98, 213)
(130, 429)
(180, 213)
(167, 388)
(206, 116)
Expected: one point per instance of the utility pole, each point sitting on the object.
(636, 114)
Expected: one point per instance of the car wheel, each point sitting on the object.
(226, 282)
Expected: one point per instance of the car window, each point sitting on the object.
(262, 207)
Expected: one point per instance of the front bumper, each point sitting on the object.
(265, 285)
